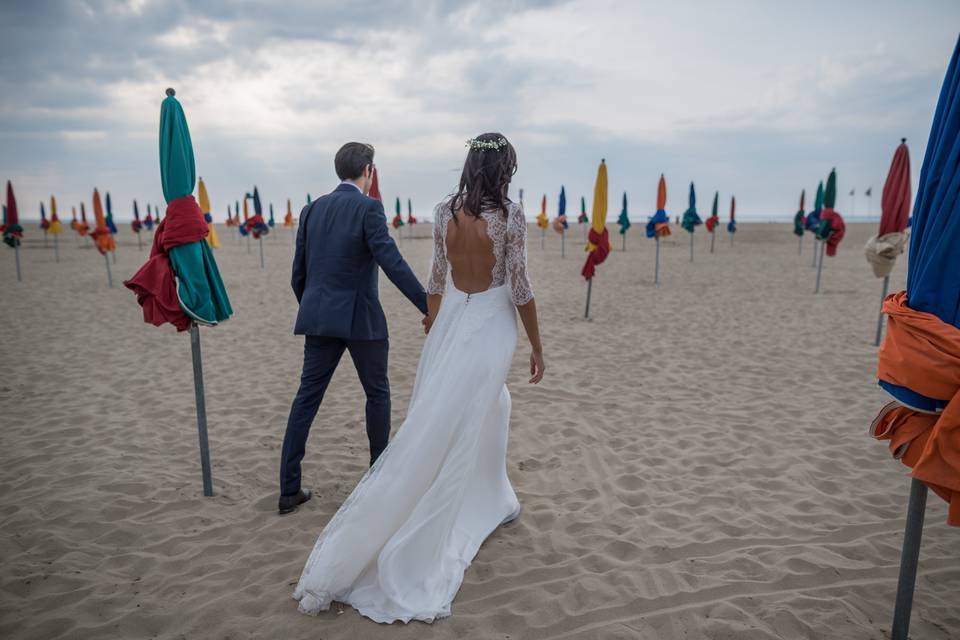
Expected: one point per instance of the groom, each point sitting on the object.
(341, 241)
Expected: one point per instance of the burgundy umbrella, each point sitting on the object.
(882, 249)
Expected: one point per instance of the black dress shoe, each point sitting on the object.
(289, 504)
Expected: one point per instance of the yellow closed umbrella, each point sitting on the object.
(598, 240)
(212, 239)
(55, 228)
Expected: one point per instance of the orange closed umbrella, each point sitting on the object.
(102, 237)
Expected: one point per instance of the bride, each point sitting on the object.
(398, 547)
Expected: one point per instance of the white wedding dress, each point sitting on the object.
(399, 545)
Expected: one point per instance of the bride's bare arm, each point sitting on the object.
(528, 316)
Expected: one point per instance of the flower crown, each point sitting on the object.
(484, 145)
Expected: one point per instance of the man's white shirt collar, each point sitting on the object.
(352, 184)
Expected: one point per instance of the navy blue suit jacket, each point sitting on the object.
(341, 241)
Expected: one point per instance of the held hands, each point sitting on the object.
(427, 322)
(536, 367)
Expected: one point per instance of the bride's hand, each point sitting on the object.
(427, 322)
(536, 366)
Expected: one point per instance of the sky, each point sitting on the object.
(752, 98)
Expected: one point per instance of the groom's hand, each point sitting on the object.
(427, 322)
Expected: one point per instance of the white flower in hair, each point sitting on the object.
(483, 145)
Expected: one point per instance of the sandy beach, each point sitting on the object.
(695, 465)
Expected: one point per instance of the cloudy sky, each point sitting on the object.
(755, 98)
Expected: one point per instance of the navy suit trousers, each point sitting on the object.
(321, 355)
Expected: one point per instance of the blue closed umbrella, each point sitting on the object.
(922, 350)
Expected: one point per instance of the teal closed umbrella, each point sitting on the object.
(180, 282)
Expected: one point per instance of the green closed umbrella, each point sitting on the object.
(199, 286)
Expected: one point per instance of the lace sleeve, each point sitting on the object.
(438, 264)
(516, 251)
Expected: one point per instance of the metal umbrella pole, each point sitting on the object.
(16, 254)
(713, 238)
(813, 261)
(909, 558)
(656, 269)
(201, 410)
(800, 246)
(586, 314)
(56, 247)
(883, 296)
(261, 252)
(820, 265)
(563, 243)
(106, 260)
(691, 247)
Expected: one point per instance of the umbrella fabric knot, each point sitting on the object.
(658, 224)
(255, 225)
(155, 283)
(922, 353)
(712, 223)
(798, 223)
(882, 252)
(831, 230)
(690, 220)
(560, 223)
(598, 248)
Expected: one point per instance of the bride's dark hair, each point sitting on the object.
(490, 165)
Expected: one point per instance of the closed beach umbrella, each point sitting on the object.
(255, 225)
(691, 220)
(148, 220)
(714, 220)
(919, 361)
(288, 218)
(136, 225)
(12, 231)
(56, 228)
(831, 229)
(624, 221)
(560, 224)
(109, 217)
(732, 225)
(410, 218)
(374, 187)
(102, 237)
(397, 217)
(543, 221)
(658, 225)
(83, 228)
(180, 282)
(271, 222)
(204, 197)
(598, 240)
(44, 223)
(800, 218)
(891, 239)
(813, 221)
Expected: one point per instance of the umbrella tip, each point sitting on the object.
(903, 140)
(603, 159)
(171, 92)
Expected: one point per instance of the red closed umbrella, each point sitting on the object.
(882, 249)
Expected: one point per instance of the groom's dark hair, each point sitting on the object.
(351, 159)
